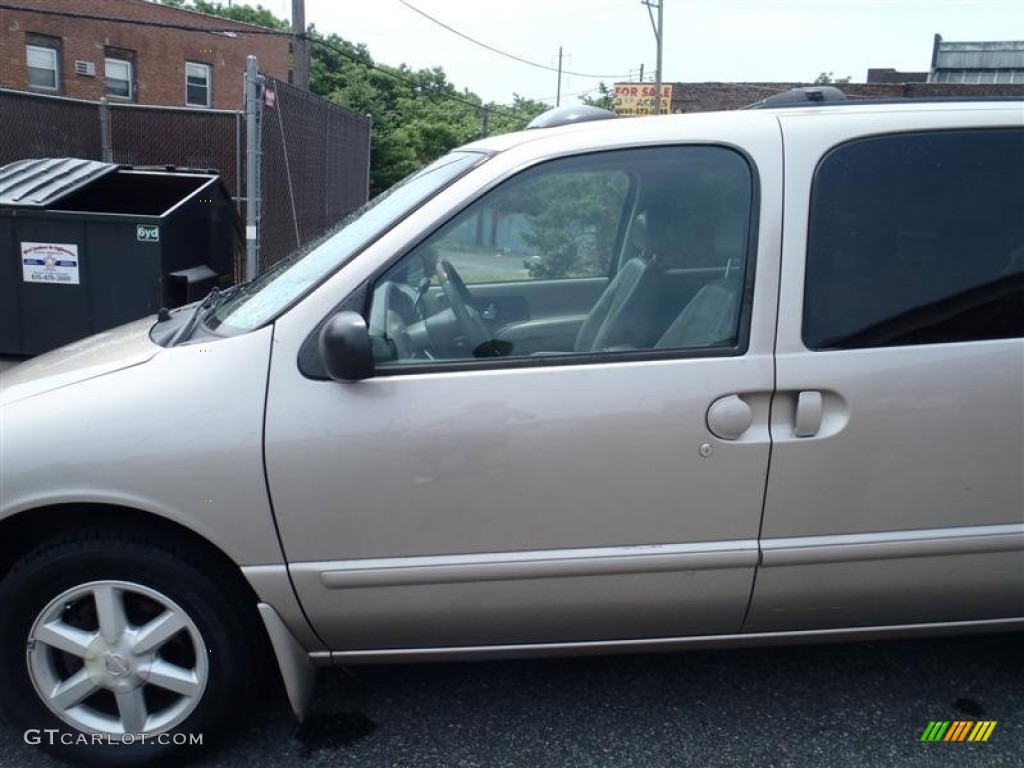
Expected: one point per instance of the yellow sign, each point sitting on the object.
(638, 99)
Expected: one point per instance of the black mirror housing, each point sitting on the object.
(345, 349)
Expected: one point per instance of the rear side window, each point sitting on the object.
(917, 239)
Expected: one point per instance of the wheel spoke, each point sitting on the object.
(110, 612)
(64, 637)
(73, 690)
(131, 706)
(155, 633)
(163, 674)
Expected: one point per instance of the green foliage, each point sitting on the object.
(417, 115)
(260, 16)
(829, 78)
(573, 219)
(605, 98)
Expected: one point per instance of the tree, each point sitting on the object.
(605, 98)
(828, 78)
(417, 115)
(568, 222)
(259, 16)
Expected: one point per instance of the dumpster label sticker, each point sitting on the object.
(147, 233)
(49, 263)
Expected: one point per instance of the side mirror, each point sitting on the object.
(344, 346)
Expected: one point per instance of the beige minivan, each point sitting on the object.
(636, 384)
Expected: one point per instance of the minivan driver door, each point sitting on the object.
(472, 493)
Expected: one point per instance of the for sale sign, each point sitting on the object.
(638, 98)
(55, 263)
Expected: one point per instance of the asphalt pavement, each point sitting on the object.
(862, 704)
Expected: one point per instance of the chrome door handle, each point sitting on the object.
(807, 420)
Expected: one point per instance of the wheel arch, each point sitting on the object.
(25, 530)
(22, 532)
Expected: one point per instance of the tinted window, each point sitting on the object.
(917, 239)
(610, 253)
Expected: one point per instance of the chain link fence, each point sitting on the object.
(34, 125)
(316, 161)
(315, 155)
(186, 138)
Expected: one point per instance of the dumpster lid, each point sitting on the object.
(41, 182)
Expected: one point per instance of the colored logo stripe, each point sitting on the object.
(935, 731)
(958, 730)
(982, 730)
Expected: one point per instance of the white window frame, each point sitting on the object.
(209, 83)
(130, 79)
(54, 57)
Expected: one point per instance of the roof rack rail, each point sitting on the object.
(576, 113)
(800, 97)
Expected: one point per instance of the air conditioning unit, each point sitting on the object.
(85, 68)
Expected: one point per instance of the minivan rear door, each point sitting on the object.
(895, 494)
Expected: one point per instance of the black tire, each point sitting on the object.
(226, 622)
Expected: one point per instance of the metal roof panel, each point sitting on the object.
(1003, 54)
(41, 182)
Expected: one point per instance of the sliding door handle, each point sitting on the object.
(808, 413)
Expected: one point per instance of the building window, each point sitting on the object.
(42, 60)
(119, 78)
(198, 84)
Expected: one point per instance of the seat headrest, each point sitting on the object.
(640, 233)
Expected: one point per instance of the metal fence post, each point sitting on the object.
(107, 147)
(253, 187)
(369, 151)
(239, 117)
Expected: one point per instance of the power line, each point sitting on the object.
(401, 78)
(250, 29)
(567, 95)
(500, 52)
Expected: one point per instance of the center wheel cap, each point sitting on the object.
(116, 665)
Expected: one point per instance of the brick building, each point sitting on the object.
(63, 52)
(983, 62)
(890, 75)
(958, 70)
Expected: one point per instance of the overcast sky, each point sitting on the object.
(705, 40)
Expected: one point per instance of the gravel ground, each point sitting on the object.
(863, 704)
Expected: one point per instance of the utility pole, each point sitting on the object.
(659, 27)
(300, 46)
(558, 98)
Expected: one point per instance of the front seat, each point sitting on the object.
(709, 319)
(626, 313)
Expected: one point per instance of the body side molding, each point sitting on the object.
(508, 566)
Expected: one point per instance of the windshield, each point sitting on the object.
(261, 300)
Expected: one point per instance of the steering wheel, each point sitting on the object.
(461, 302)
